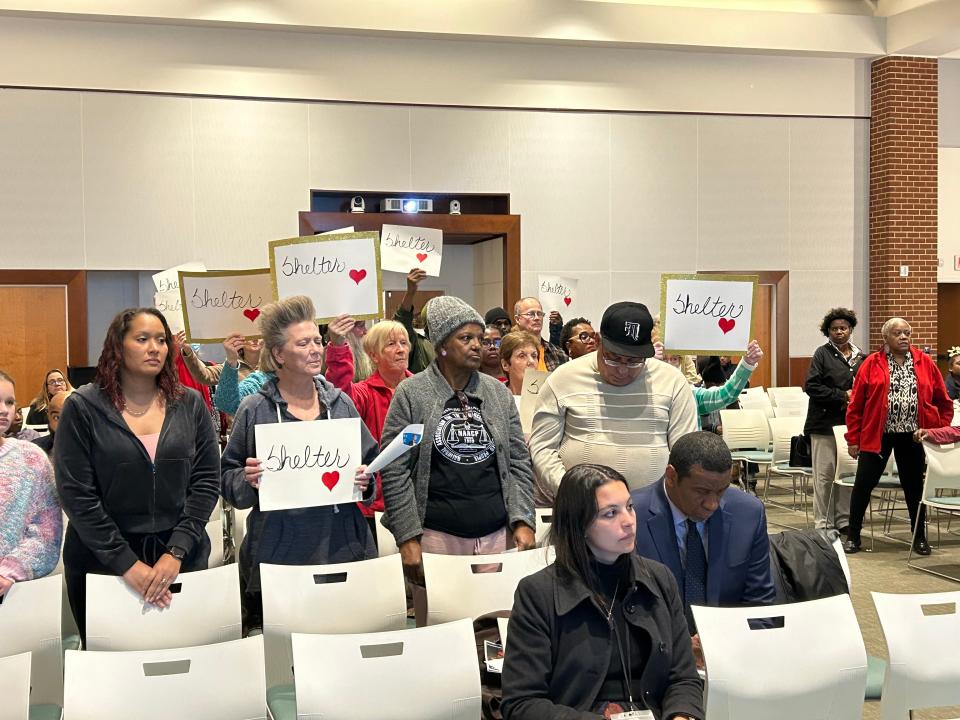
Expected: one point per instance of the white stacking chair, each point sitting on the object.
(752, 390)
(747, 434)
(205, 610)
(15, 687)
(757, 401)
(782, 430)
(30, 616)
(787, 394)
(214, 530)
(357, 597)
(213, 682)
(846, 473)
(924, 658)
(468, 586)
(239, 527)
(814, 665)
(544, 523)
(428, 673)
(943, 474)
(386, 543)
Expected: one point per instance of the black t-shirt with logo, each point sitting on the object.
(465, 497)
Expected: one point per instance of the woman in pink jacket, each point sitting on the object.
(388, 348)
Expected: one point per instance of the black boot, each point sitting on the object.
(852, 545)
(920, 544)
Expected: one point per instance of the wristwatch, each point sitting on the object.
(178, 552)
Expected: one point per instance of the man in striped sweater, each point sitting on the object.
(618, 406)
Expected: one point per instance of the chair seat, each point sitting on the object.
(282, 702)
(876, 669)
(785, 467)
(757, 456)
(45, 712)
(887, 482)
(948, 503)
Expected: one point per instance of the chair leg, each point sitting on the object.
(928, 571)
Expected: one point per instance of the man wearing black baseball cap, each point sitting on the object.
(619, 406)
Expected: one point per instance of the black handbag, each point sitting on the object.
(800, 455)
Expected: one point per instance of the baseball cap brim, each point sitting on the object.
(638, 351)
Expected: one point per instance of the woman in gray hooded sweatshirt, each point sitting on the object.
(293, 350)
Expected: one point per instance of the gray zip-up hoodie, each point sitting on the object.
(304, 536)
(406, 482)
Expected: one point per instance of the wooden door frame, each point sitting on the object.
(780, 279)
(485, 227)
(76, 284)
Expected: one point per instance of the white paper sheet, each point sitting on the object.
(308, 464)
(167, 296)
(400, 445)
(560, 294)
(533, 380)
(403, 247)
(708, 314)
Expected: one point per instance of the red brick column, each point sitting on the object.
(903, 195)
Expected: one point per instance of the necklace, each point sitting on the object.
(613, 601)
(143, 412)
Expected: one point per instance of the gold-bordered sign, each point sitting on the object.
(707, 314)
(339, 273)
(237, 304)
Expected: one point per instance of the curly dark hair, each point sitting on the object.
(567, 331)
(111, 359)
(839, 313)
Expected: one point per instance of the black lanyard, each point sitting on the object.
(625, 667)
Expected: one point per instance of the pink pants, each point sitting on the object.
(440, 543)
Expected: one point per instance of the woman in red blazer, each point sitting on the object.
(897, 391)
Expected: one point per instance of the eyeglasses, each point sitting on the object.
(618, 364)
(52, 381)
(585, 336)
(533, 314)
(486, 342)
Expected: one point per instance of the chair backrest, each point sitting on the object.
(745, 429)
(943, 468)
(752, 390)
(386, 543)
(358, 597)
(799, 411)
(757, 401)
(30, 622)
(205, 609)
(240, 525)
(924, 666)
(544, 523)
(846, 465)
(814, 665)
(214, 530)
(15, 687)
(428, 673)
(782, 430)
(786, 394)
(214, 682)
(468, 586)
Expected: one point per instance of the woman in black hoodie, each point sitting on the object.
(137, 467)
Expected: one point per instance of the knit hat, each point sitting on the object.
(497, 313)
(447, 314)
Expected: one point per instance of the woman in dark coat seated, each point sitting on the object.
(601, 631)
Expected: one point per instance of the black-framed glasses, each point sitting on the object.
(586, 336)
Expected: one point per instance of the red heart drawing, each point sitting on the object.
(726, 324)
(567, 301)
(421, 256)
(251, 314)
(357, 275)
(331, 479)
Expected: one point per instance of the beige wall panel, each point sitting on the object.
(138, 181)
(41, 187)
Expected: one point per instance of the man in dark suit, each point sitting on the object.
(714, 540)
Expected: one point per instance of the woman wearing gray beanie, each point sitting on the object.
(467, 489)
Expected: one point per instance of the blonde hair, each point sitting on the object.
(380, 334)
(275, 318)
(515, 340)
(43, 398)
